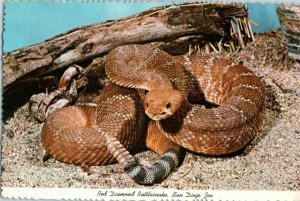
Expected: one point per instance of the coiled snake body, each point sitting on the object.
(166, 87)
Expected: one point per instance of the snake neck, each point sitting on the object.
(181, 113)
(174, 123)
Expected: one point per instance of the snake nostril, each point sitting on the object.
(163, 113)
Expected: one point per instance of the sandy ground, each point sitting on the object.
(270, 162)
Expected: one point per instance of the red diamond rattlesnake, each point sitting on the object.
(167, 85)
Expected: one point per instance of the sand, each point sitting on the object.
(270, 162)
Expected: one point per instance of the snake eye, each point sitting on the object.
(168, 105)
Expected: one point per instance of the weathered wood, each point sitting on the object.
(163, 24)
(71, 85)
(289, 17)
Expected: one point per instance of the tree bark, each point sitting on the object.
(171, 28)
(289, 18)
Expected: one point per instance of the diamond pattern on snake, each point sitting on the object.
(156, 96)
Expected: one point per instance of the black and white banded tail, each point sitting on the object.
(156, 173)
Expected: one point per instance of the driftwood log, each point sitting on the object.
(177, 29)
(172, 27)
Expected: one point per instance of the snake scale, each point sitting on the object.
(157, 95)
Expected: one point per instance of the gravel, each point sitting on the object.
(270, 162)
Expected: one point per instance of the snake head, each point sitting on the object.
(160, 104)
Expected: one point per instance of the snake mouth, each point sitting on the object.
(158, 117)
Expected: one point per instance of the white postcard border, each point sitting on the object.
(143, 194)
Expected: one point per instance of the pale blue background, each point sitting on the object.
(27, 23)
